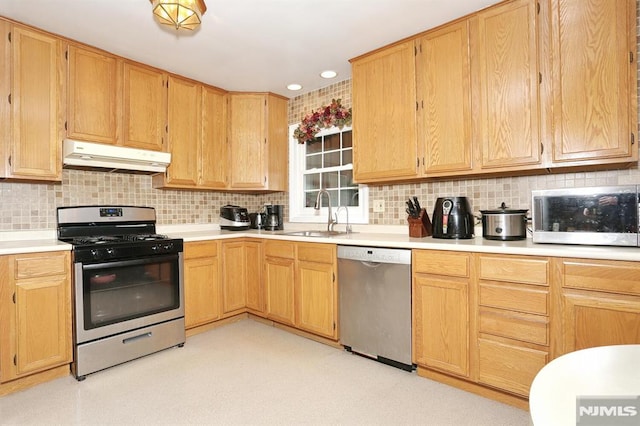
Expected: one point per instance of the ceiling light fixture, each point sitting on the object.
(328, 74)
(294, 86)
(181, 14)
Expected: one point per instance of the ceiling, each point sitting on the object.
(244, 45)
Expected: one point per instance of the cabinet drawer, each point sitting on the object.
(604, 275)
(280, 249)
(41, 264)
(515, 297)
(515, 325)
(514, 269)
(509, 367)
(200, 249)
(441, 263)
(320, 253)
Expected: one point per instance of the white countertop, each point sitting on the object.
(365, 235)
(16, 242)
(595, 372)
(399, 238)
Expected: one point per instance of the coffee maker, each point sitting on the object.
(273, 217)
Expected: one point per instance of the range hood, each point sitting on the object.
(94, 155)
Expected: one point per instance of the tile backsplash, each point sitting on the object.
(31, 206)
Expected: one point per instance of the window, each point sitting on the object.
(325, 163)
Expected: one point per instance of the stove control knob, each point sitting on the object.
(110, 252)
(95, 253)
(156, 247)
(168, 246)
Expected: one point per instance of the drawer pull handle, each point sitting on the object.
(134, 338)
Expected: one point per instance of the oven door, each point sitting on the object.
(123, 295)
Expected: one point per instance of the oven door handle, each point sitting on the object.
(130, 262)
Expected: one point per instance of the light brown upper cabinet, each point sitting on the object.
(184, 130)
(94, 101)
(444, 100)
(196, 137)
(33, 86)
(145, 107)
(114, 101)
(213, 149)
(384, 115)
(258, 140)
(505, 81)
(552, 85)
(595, 83)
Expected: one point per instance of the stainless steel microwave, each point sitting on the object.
(604, 215)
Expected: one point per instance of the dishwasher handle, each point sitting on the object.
(370, 264)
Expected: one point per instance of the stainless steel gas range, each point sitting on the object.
(128, 285)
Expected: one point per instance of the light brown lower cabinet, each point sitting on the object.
(201, 283)
(290, 283)
(513, 320)
(599, 303)
(279, 279)
(234, 277)
(35, 314)
(255, 285)
(482, 320)
(316, 290)
(441, 310)
(301, 286)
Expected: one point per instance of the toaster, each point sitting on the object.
(234, 218)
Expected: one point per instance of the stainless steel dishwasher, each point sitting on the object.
(375, 303)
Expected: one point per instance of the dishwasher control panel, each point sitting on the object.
(375, 254)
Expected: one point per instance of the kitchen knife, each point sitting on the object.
(411, 209)
(416, 203)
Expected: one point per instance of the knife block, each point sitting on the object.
(420, 227)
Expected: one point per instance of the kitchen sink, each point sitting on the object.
(318, 234)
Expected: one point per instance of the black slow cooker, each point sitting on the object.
(504, 224)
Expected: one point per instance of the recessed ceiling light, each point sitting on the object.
(328, 74)
(294, 86)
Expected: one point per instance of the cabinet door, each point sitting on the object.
(35, 313)
(94, 86)
(316, 298)
(277, 143)
(213, 156)
(145, 107)
(42, 323)
(255, 289)
(505, 69)
(183, 117)
(234, 277)
(444, 96)
(279, 276)
(5, 91)
(37, 105)
(384, 106)
(441, 323)
(247, 141)
(201, 291)
(595, 106)
(592, 318)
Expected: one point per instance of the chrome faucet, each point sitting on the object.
(348, 228)
(330, 221)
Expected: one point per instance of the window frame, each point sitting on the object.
(297, 211)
